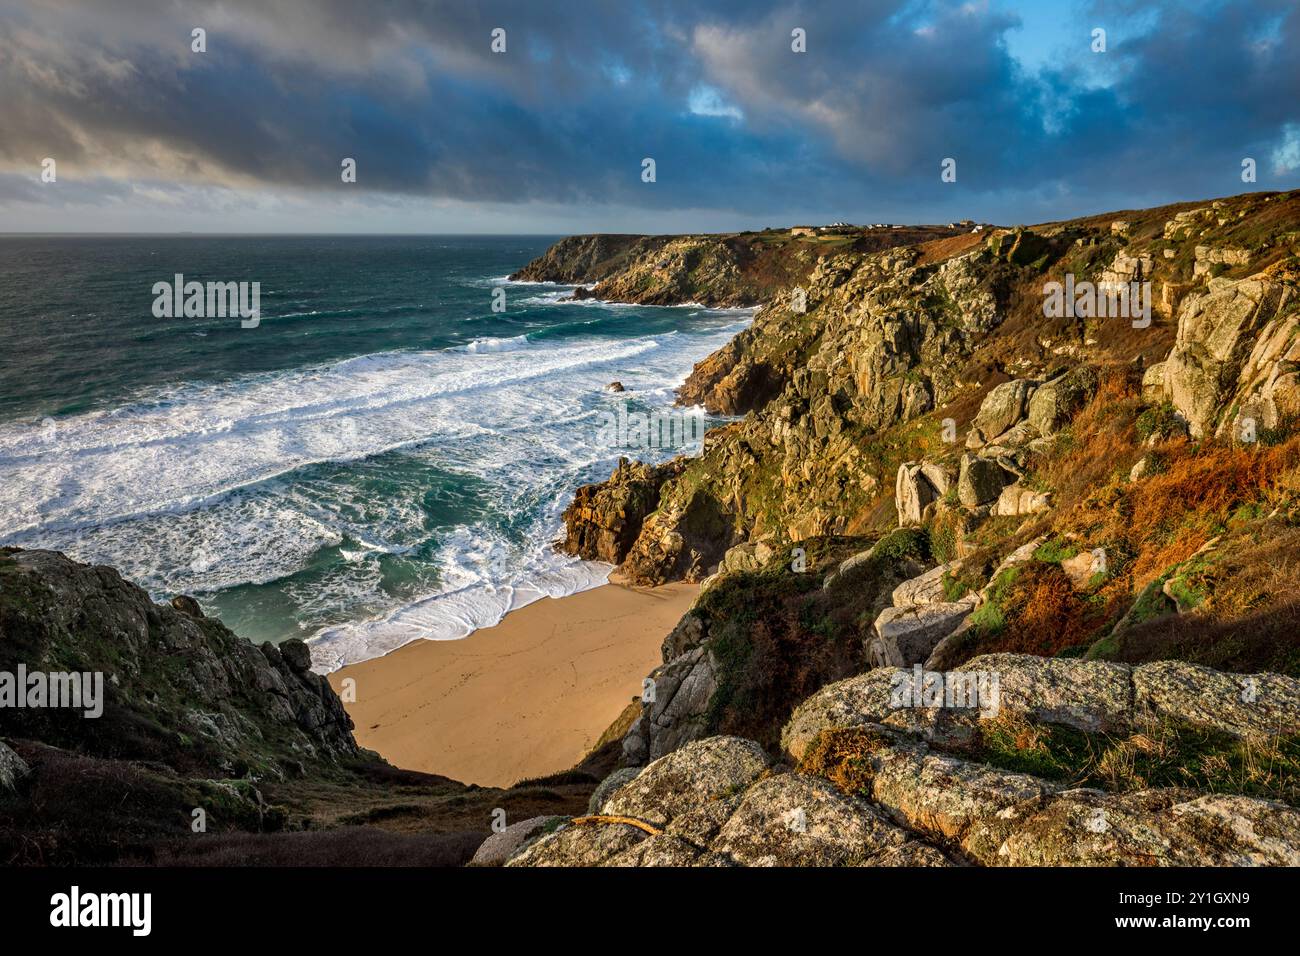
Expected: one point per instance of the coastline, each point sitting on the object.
(527, 697)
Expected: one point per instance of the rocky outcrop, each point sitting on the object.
(881, 783)
(684, 687)
(1054, 403)
(865, 343)
(933, 374)
(927, 588)
(514, 839)
(195, 718)
(606, 788)
(981, 481)
(917, 486)
(166, 673)
(1092, 696)
(1017, 500)
(604, 520)
(1235, 347)
(907, 635)
(1207, 258)
(683, 539)
(1004, 406)
(583, 259)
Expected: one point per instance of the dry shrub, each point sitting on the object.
(1043, 614)
(1208, 482)
(843, 756)
(1255, 574)
(1102, 439)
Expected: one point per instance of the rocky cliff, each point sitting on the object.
(923, 351)
(736, 269)
(1121, 771)
(936, 468)
(984, 583)
(206, 749)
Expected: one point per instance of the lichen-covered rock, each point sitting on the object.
(12, 769)
(926, 588)
(1149, 828)
(514, 839)
(665, 849)
(981, 481)
(1088, 695)
(683, 688)
(606, 788)
(581, 845)
(168, 675)
(1238, 704)
(854, 702)
(698, 772)
(799, 820)
(906, 635)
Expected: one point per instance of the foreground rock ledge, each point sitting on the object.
(899, 797)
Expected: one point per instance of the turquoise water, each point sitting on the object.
(383, 458)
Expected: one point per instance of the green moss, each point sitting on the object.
(903, 543)
(1055, 550)
(1057, 752)
(1166, 754)
(1158, 420)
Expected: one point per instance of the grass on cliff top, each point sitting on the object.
(1165, 754)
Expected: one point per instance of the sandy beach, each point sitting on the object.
(525, 698)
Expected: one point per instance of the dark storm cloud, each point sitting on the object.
(886, 90)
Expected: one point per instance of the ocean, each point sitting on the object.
(383, 458)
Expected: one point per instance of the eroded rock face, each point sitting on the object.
(166, 673)
(698, 772)
(906, 635)
(1218, 359)
(604, 519)
(981, 481)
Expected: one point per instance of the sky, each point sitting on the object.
(550, 134)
